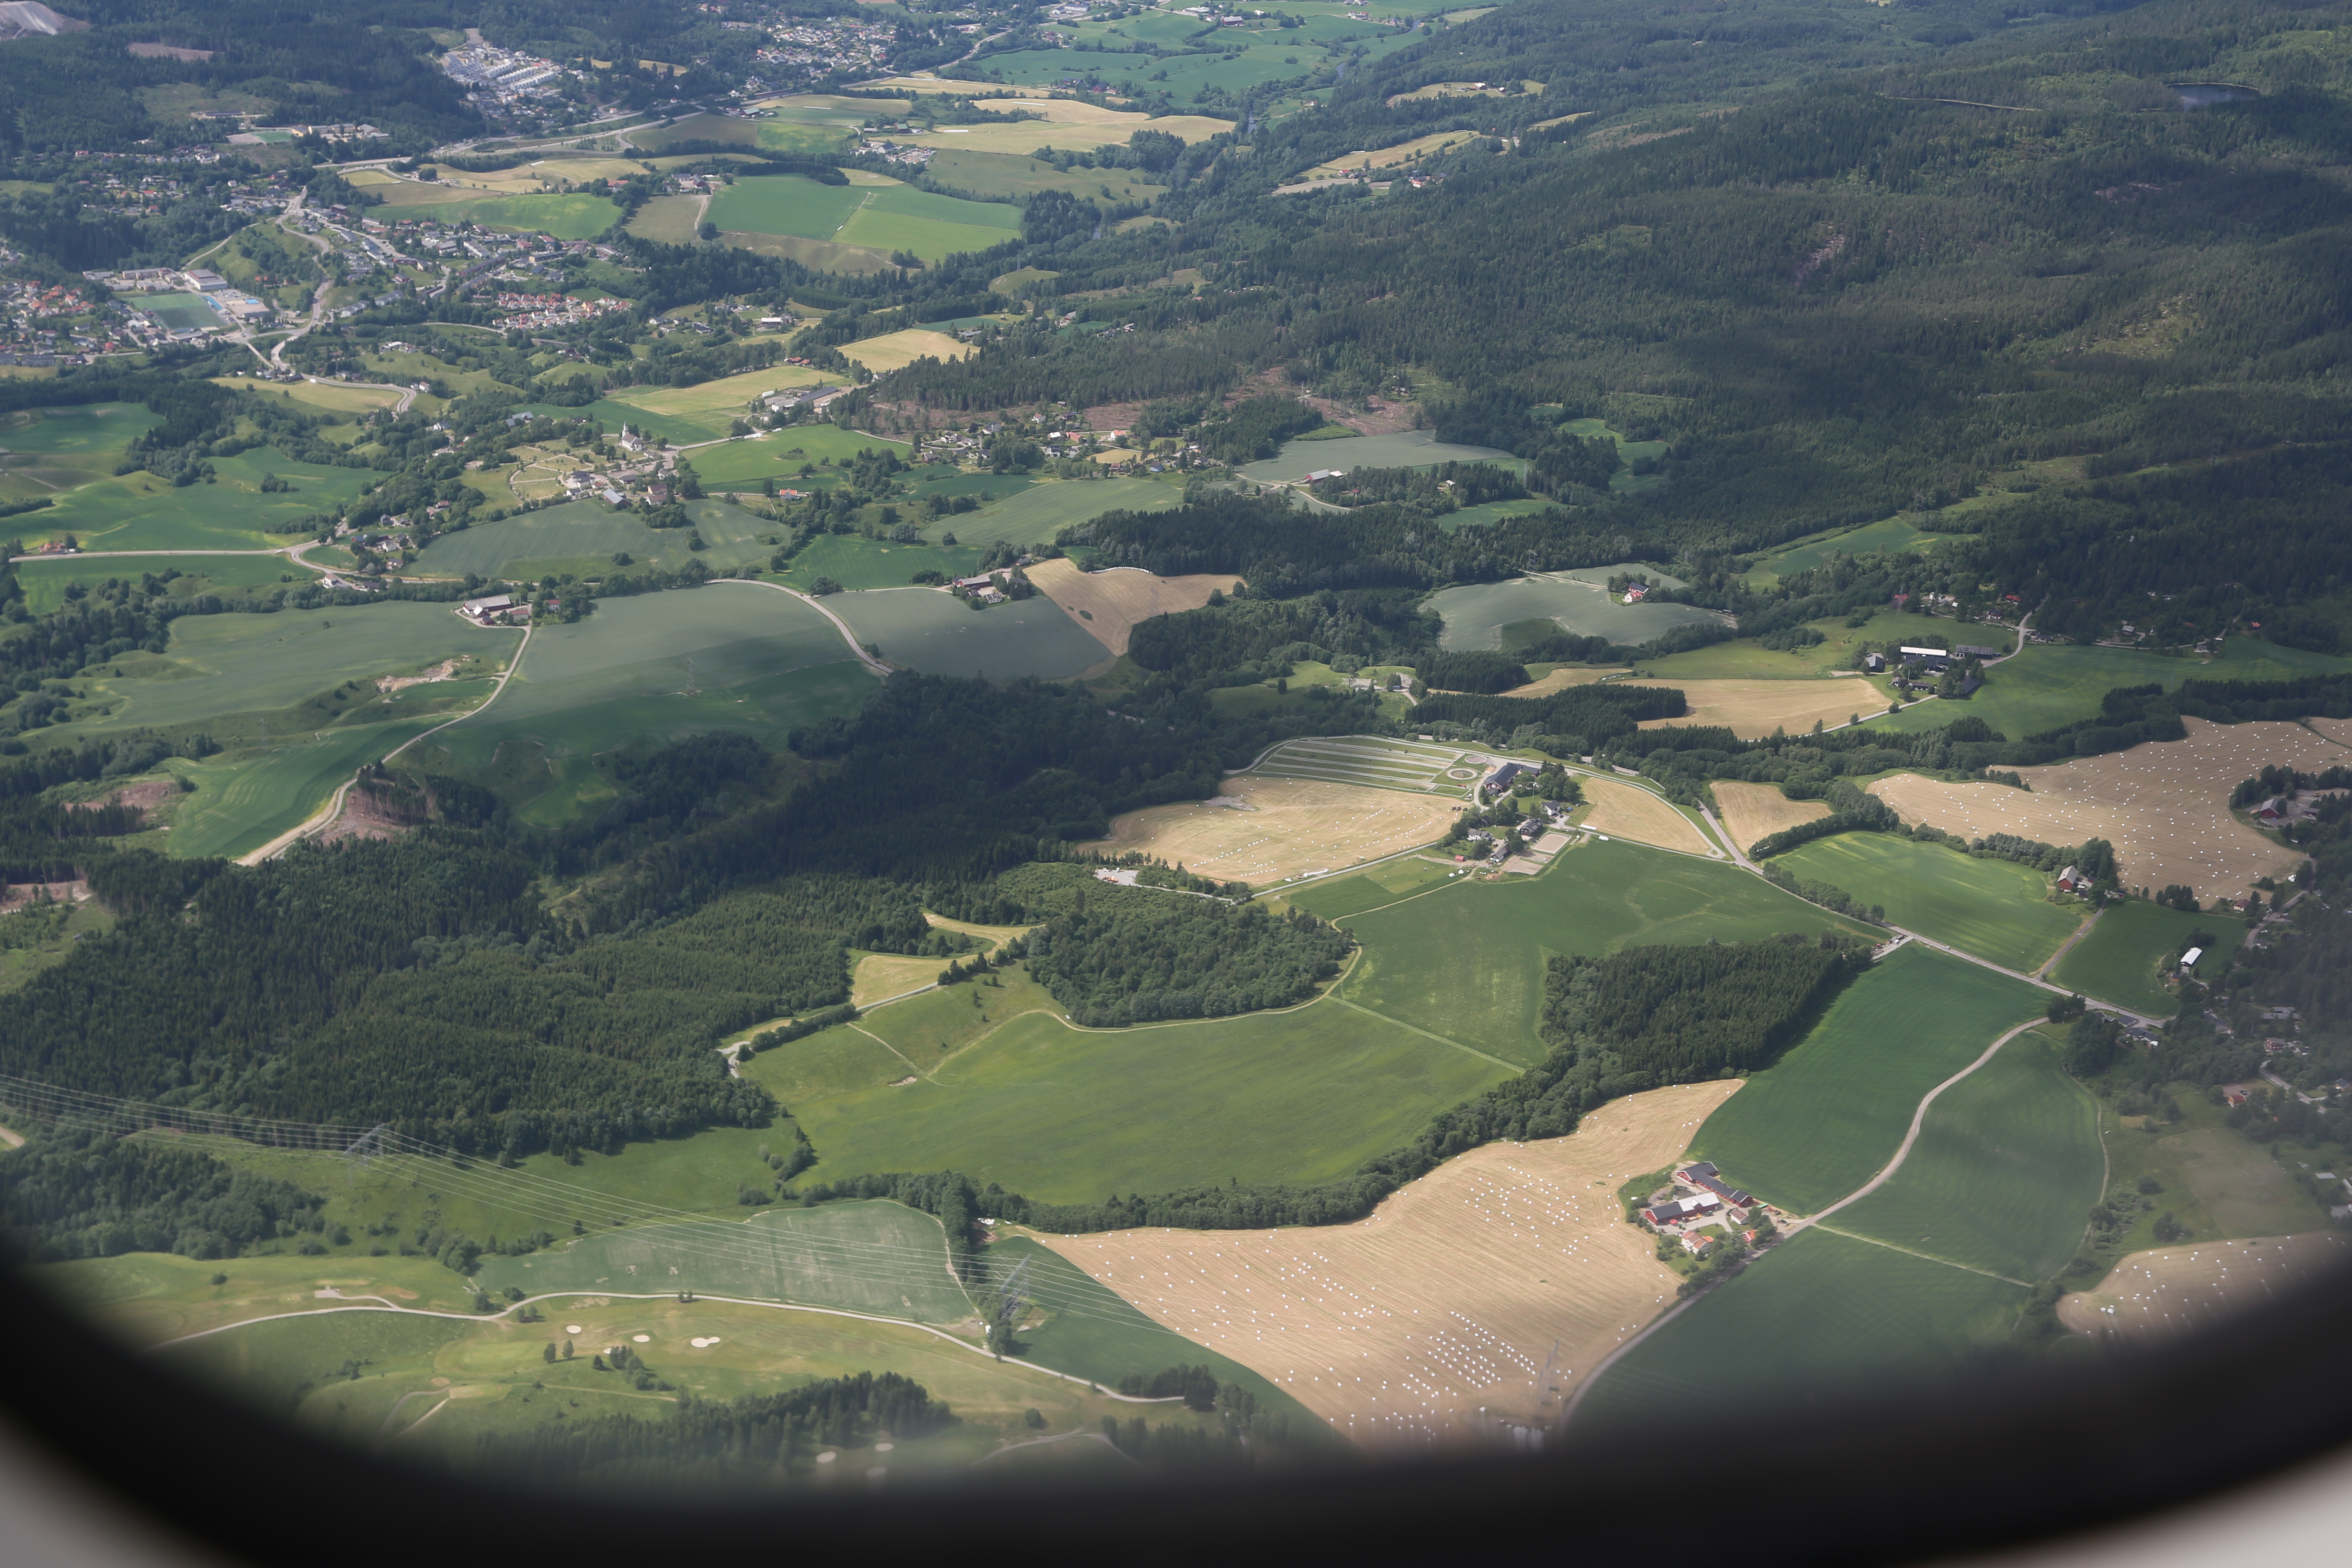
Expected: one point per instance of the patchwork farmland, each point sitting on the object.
(1475, 1297)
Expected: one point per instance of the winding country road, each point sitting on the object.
(325, 816)
(1885, 1173)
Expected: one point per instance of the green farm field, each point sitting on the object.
(2118, 961)
(575, 217)
(44, 451)
(884, 218)
(669, 220)
(1071, 1116)
(757, 661)
(855, 562)
(784, 204)
(482, 1379)
(2007, 1165)
(1836, 1312)
(1038, 514)
(148, 1297)
(45, 581)
(920, 628)
(1475, 615)
(1822, 1119)
(1093, 1333)
(1465, 960)
(243, 801)
(1994, 909)
(1009, 174)
(877, 1258)
(221, 665)
(581, 538)
(1887, 536)
(2047, 686)
(781, 457)
(138, 511)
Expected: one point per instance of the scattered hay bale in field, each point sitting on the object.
(1107, 604)
(1399, 1329)
(1622, 811)
(1752, 709)
(1756, 811)
(2164, 805)
(1288, 827)
(2162, 1294)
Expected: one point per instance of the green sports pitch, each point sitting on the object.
(1995, 908)
(1824, 1120)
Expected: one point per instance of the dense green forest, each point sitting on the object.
(1682, 1013)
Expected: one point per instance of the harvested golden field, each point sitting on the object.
(2154, 1296)
(1108, 604)
(881, 974)
(1621, 811)
(993, 936)
(1396, 157)
(1754, 811)
(2336, 730)
(1282, 828)
(2164, 805)
(1754, 708)
(1560, 680)
(896, 350)
(1397, 1330)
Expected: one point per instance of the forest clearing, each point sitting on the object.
(1399, 1328)
(1278, 828)
(1753, 811)
(1108, 604)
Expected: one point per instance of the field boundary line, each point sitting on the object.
(1923, 1257)
(1426, 1035)
(514, 667)
(891, 1048)
(856, 647)
(665, 1296)
(1919, 1116)
(1918, 1120)
(2068, 945)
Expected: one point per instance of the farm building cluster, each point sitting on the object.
(1699, 1199)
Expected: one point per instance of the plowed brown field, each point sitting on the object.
(2164, 805)
(1622, 811)
(1754, 811)
(1108, 604)
(1399, 1329)
(1290, 827)
(2154, 1296)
